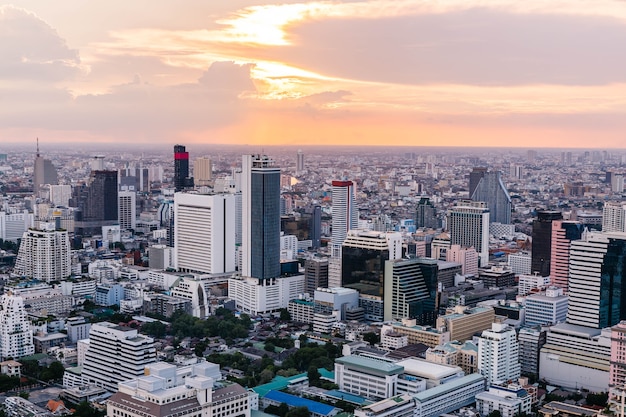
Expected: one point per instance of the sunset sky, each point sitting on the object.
(380, 72)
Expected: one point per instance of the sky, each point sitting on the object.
(374, 72)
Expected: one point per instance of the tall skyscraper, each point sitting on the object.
(260, 188)
(315, 227)
(315, 274)
(563, 233)
(498, 354)
(44, 254)
(204, 232)
(16, 337)
(597, 275)
(474, 178)
(98, 203)
(617, 371)
(181, 169)
(43, 172)
(468, 226)
(116, 354)
(299, 162)
(542, 241)
(127, 209)
(345, 215)
(491, 189)
(202, 171)
(426, 215)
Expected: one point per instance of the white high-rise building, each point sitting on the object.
(520, 263)
(468, 226)
(345, 215)
(255, 296)
(44, 254)
(546, 308)
(116, 354)
(614, 217)
(299, 162)
(127, 209)
(204, 233)
(498, 354)
(16, 338)
(13, 225)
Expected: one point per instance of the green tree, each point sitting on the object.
(24, 395)
(598, 398)
(495, 413)
(298, 412)
(371, 338)
(155, 329)
(280, 411)
(284, 315)
(314, 376)
(269, 346)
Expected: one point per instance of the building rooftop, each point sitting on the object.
(346, 396)
(429, 370)
(443, 389)
(373, 365)
(278, 383)
(294, 401)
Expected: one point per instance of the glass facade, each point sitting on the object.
(265, 223)
(363, 269)
(612, 304)
(542, 241)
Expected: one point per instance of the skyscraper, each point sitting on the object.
(491, 189)
(474, 178)
(614, 217)
(16, 338)
(426, 215)
(345, 215)
(299, 162)
(468, 226)
(204, 232)
(181, 168)
(97, 202)
(260, 187)
(315, 274)
(127, 209)
(563, 233)
(597, 275)
(542, 241)
(44, 254)
(43, 172)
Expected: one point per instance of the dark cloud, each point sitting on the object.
(32, 50)
(477, 46)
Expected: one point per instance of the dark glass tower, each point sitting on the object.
(426, 216)
(261, 217)
(491, 189)
(97, 203)
(181, 168)
(542, 242)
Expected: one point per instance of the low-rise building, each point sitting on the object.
(511, 401)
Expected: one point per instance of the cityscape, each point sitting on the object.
(313, 208)
(310, 281)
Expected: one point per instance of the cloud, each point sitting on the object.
(32, 50)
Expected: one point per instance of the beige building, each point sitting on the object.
(463, 322)
(417, 334)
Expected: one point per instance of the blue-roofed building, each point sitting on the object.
(280, 382)
(315, 408)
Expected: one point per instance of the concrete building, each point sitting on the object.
(161, 257)
(202, 171)
(542, 241)
(339, 300)
(204, 233)
(77, 328)
(192, 289)
(370, 378)
(467, 257)
(16, 338)
(254, 296)
(127, 209)
(491, 189)
(531, 340)
(510, 400)
(315, 274)
(345, 215)
(617, 371)
(468, 226)
(427, 335)
(498, 354)
(455, 353)
(546, 308)
(496, 276)
(520, 263)
(448, 397)
(563, 233)
(166, 390)
(44, 254)
(531, 283)
(116, 354)
(464, 322)
(614, 217)
(397, 406)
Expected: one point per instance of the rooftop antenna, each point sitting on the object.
(37, 147)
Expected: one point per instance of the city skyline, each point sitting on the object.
(463, 73)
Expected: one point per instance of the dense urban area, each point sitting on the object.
(230, 281)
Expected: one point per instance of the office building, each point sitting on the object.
(596, 278)
(116, 354)
(16, 338)
(546, 308)
(345, 215)
(260, 187)
(563, 233)
(462, 323)
(520, 263)
(491, 189)
(254, 296)
(315, 274)
(468, 226)
(531, 340)
(160, 257)
(576, 357)
(127, 210)
(43, 172)
(97, 203)
(44, 254)
(450, 396)
(614, 216)
(397, 406)
(204, 233)
(367, 377)
(426, 215)
(363, 257)
(134, 179)
(202, 171)
(181, 169)
(188, 391)
(426, 335)
(496, 276)
(498, 354)
(455, 353)
(617, 371)
(77, 328)
(60, 195)
(542, 241)
(531, 283)
(475, 176)
(410, 290)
